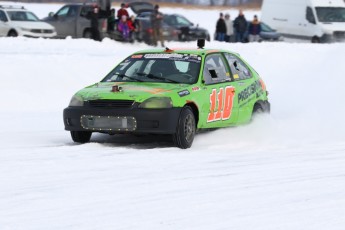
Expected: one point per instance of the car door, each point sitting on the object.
(64, 21)
(4, 27)
(219, 108)
(245, 86)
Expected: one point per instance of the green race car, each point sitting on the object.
(164, 91)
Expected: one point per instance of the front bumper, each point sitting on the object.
(37, 35)
(152, 121)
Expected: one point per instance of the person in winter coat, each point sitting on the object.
(94, 24)
(240, 25)
(254, 30)
(229, 28)
(111, 21)
(156, 21)
(122, 11)
(220, 28)
(123, 27)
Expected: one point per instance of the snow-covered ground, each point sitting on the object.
(283, 171)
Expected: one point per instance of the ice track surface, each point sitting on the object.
(283, 171)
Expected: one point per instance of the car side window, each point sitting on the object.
(3, 16)
(310, 16)
(63, 12)
(239, 70)
(85, 11)
(72, 12)
(215, 70)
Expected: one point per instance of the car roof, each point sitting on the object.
(183, 51)
(13, 8)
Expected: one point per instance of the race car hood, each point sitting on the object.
(33, 25)
(129, 91)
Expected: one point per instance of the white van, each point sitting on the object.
(315, 20)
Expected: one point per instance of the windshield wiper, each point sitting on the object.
(132, 78)
(150, 75)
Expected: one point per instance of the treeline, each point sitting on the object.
(188, 2)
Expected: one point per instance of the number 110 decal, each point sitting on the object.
(224, 99)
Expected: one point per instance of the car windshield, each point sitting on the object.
(330, 14)
(266, 28)
(22, 16)
(163, 67)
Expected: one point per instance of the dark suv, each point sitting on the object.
(143, 11)
(175, 27)
(187, 30)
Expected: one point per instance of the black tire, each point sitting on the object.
(12, 33)
(87, 34)
(185, 130)
(315, 39)
(258, 109)
(81, 136)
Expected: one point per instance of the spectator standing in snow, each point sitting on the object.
(229, 28)
(156, 21)
(122, 11)
(254, 30)
(220, 28)
(111, 20)
(240, 25)
(132, 25)
(123, 27)
(94, 24)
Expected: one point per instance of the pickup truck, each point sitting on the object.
(73, 20)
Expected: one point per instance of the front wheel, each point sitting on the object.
(185, 130)
(13, 33)
(81, 136)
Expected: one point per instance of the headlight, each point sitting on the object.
(76, 101)
(156, 103)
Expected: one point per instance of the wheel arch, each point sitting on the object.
(12, 30)
(265, 105)
(195, 111)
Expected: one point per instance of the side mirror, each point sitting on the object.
(51, 14)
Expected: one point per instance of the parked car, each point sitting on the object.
(164, 91)
(143, 11)
(17, 21)
(266, 34)
(269, 34)
(187, 31)
(73, 20)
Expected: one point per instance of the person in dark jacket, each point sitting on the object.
(220, 28)
(240, 26)
(156, 21)
(254, 30)
(111, 21)
(94, 24)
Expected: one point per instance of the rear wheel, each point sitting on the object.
(12, 33)
(81, 136)
(87, 34)
(315, 39)
(185, 131)
(258, 109)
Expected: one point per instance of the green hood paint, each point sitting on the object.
(131, 91)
